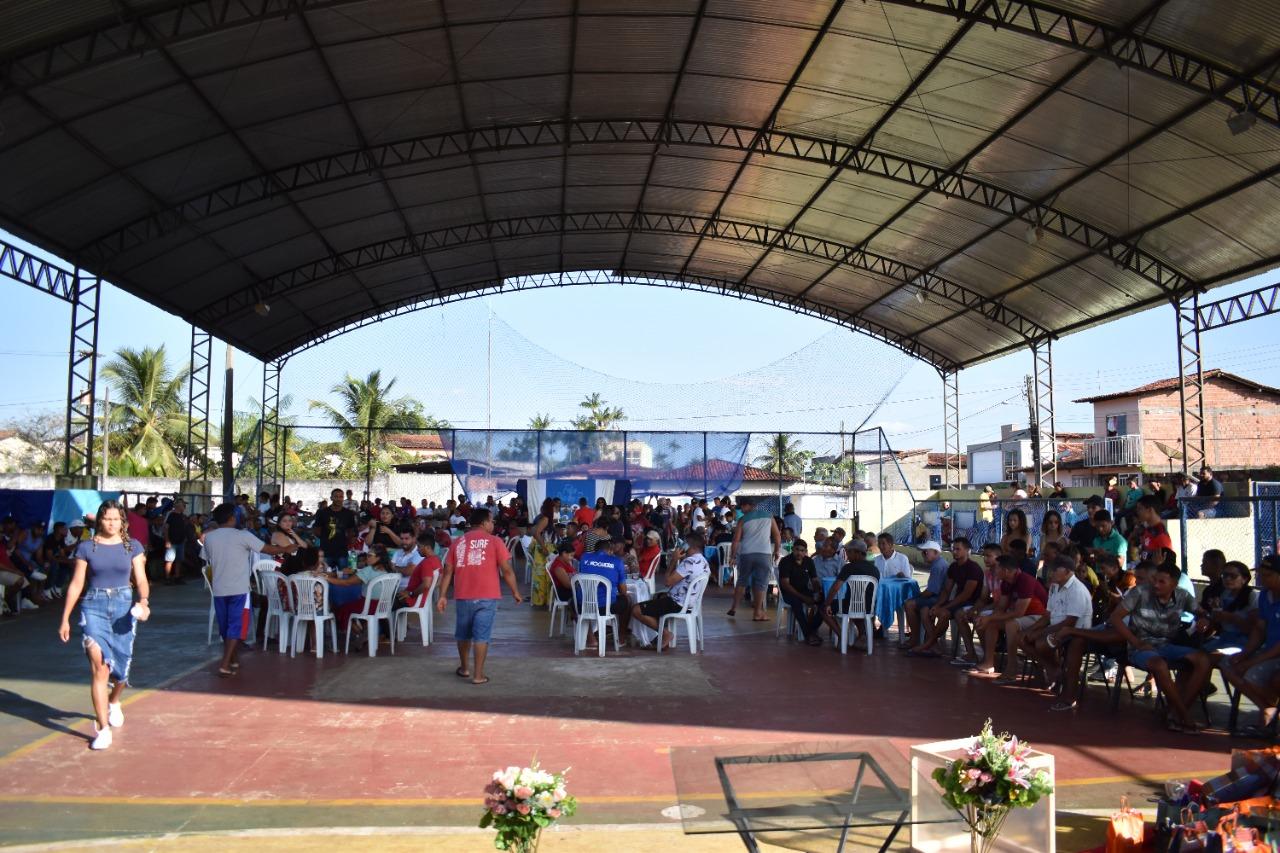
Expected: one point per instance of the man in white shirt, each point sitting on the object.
(1070, 606)
(699, 515)
(891, 563)
(791, 520)
(351, 503)
(230, 553)
(690, 566)
(405, 558)
(424, 511)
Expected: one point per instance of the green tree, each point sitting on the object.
(365, 414)
(600, 415)
(784, 455)
(147, 411)
(540, 422)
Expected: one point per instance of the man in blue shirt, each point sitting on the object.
(606, 561)
(1255, 672)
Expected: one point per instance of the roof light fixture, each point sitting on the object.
(1241, 121)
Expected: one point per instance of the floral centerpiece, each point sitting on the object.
(989, 781)
(520, 802)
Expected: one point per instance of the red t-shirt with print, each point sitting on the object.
(475, 558)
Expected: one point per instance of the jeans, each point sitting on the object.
(808, 623)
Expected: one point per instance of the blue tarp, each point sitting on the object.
(48, 505)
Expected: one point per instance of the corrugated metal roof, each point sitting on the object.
(841, 158)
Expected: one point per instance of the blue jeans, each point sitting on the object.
(475, 619)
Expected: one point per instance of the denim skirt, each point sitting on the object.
(106, 622)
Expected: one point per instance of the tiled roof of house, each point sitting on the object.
(1172, 384)
(416, 440)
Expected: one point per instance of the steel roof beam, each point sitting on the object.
(705, 284)
(867, 137)
(770, 120)
(656, 132)
(1256, 92)
(1262, 302)
(440, 239)
(1026, 110)
(34, 271)
(1172, 286)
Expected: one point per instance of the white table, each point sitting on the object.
(642, 634)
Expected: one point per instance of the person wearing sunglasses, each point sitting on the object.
(1229, 622)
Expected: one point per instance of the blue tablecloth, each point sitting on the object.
(340, 595)
(891, 595)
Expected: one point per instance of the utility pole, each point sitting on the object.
(228, 430)
(1033, 420)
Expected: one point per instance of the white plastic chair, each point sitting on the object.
(383, 590)
(650, 575)
(269, 581)
(690, 616)
(586, 587)
(425, 613)
(207, 575)
(305, 610)
(855, 590)
(513, 543)
(725, 549)
(558, 607)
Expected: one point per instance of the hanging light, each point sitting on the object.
(1034, 234)
(1241, 121)
(920, 295)
(261, 308)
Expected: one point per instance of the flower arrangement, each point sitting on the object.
(520, 802)
(990, 780)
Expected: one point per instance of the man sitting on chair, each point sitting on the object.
(606, 561)
(915, 607)
(856, 551)
(688, 565)
(961, 588)
(1070, 606)
(1022, 600)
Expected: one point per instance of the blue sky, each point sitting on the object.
(647, 335)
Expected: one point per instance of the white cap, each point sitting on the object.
(931, 546)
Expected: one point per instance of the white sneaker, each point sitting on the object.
(115, 715)
(103, 738)
(28, 604)
(38, 575)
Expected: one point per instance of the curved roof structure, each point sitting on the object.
(956, 177)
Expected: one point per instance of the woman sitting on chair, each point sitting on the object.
(562, 571)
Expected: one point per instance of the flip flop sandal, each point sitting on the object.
(1062, 706)
(484, 680)
(235, 667)
(461, 673)
(225, 673)
(732, 613)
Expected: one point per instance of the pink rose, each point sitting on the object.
(523, 792)
(523, 808)
(499, 809)
(553, 813)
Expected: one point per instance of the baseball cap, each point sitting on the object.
(76, 523)
(931, 546)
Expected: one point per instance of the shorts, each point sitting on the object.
(1024, 622)
(924, 602)
(1263, 673)
(1168, 652)
(10, 579)
(753, 570)
(232, 613)
(475, 619)
(656, 608)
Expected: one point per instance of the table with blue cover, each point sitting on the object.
(891, 596)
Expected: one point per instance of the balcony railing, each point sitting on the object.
(1117, 450)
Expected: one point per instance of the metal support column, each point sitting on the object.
(951, 427)
(198, 404)
(1046, 462)
(82, 376)
(1190, 383)
(269, 449)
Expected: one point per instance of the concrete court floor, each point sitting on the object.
(401, 743)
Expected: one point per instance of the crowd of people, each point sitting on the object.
(1008, 610)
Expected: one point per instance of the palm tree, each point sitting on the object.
(540, 422)
(784, 456)
(600, 416)
(147, 409)
(366, 413)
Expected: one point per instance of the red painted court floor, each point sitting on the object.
(351, 733)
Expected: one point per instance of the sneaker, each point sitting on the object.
(28, 604)
(103, 738)
(38, 575)
(115, 715)
(1101, 674)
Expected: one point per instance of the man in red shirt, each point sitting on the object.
(584, 515)
(474, 562)
(414, 595)
(1022, 601)
(1152, 536)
